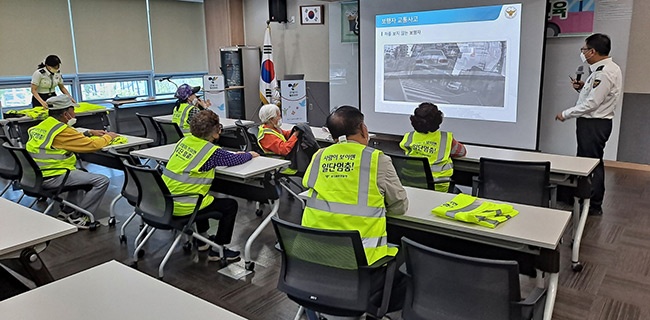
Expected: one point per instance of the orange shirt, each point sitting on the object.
(275, 144)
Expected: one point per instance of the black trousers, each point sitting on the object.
(224, 210)
(592, 134)
(44, 96)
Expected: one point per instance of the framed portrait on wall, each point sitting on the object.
(349, 22)
(312, 14)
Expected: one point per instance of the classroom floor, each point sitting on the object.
(615, 282)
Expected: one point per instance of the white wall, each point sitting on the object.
(344, 89)
(296, 48)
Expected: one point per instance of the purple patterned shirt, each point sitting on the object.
(222, 158)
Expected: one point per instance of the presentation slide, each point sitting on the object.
(480, 61)
(470, 72)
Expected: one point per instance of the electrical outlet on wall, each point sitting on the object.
(292, 20)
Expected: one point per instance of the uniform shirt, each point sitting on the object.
(45, 81)
(600, 93)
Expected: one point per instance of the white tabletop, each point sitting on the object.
(559, 164)
(534, 226)
(227, 123)
(132, 141)
(243, 171)
(107, 292)
(22, 227)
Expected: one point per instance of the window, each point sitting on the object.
(21, 96)
(167, 87)
(110, 90)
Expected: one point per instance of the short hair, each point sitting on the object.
(204, 123)
(426, 118)
(344, 121)
(59, 112)
(600, 43)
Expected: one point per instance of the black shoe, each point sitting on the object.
(595, 211)
(230, 255)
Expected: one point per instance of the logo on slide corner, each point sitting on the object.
(510, 12)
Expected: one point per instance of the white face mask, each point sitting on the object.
(279, 124)
(195, 101)
(72, 122)
(583, 58)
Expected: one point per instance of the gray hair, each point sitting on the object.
(268, 112)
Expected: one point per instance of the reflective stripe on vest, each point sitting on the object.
(363, 210)
(181, 115)
(40, 148)
(182, 175)
(439, 159)
(262, 131)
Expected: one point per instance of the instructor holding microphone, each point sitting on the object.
(594, 109)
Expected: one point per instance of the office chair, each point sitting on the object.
(442, 285)
(416, 172)
(129, 188)
(524, 182)
(285, 179)
(171, 132)
(151, 129)
(326, 271)
(9, 168)
(31, 181)
(155, 205)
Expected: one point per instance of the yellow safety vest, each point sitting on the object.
(343, 195)
(469, 209)
(181, 117)
(182, 175)
(264, 131)
(435, 146)
(40, 147)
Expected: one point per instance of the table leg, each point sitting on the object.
(579, 228)
(35, 267)
(250, 265)
(551, 293)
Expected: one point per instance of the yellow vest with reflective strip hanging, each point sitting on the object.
(181, 116)
(469, 209)
(261, 132)
(40, 148)
(182, 175)
(343, 195)
(435, 146)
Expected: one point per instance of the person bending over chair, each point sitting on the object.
(191, 170)
(339, 178)
(429, 142)
(187, 105)
(53, 144)
(271, 138)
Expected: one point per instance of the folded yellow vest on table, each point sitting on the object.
(85, 107)
(470, 209)
(41, 113)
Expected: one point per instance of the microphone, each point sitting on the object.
(167, 78)
(579, 72)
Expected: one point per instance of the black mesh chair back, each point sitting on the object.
(322, 270)
(9, 168)
(242, 130)
(522, 182)
(129, 188)
(442, 285)
(151, 129)
(171, 132)
(154, 204)
(413, 171)
(31, 178)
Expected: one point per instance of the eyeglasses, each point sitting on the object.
(585, 49)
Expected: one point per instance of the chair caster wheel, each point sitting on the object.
(134, 265)
(259, 212)
(576, 266)
(140, 253)
(161, 279)
(187, 247)
(111, 221)
(93, 226)
(250, 266)
(122, 239)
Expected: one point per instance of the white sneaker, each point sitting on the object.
(63, 216)
(81, 222)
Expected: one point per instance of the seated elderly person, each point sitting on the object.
(270, 137)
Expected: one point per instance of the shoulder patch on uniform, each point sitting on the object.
(600, 68)
(41, 71)
(596, 83)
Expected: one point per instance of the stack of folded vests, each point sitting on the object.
(473, 210)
